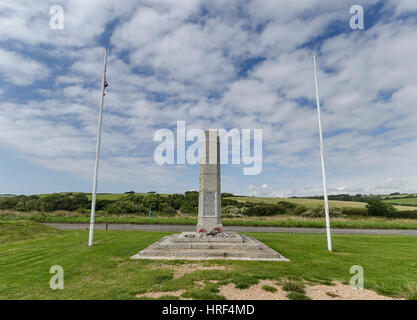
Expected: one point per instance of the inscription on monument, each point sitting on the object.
(210, 198)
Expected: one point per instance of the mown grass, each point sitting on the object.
(277, 221)
(22, 230)
(105, 271)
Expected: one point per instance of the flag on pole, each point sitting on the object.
(105, 82)
(323, 164)
(93, 199)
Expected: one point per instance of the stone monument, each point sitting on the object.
(209, 241)
(209, 201)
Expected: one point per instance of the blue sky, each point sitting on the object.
(212, 64)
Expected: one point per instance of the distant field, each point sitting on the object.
(399, 196)
(316, 202)
(412, 201)
(109, 196)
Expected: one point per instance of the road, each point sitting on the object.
(179, 228)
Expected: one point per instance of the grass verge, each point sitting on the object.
(278, 221)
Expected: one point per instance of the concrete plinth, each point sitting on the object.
(234, 247)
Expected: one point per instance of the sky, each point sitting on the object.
(213, 64)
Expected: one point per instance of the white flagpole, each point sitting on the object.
(323, 166)
(93, 200)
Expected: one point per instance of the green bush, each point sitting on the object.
(231, 211)
(125, 206)
(264, 210)
(8, 203)
(378, 208)
(167, 209)
(230, 202)
(288, 205)
(355, 212)
(101, 204)
(25, 204)
(299, 210)
(319, 212)
(190, 202)
(81, 200)
(55, 202)
(175, 200)
(408, 214)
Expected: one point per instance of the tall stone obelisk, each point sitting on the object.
(209, 201)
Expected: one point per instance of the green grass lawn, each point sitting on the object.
(104, 271)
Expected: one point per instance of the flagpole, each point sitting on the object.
(93, 200)
(323, 166)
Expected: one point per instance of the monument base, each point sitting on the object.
(231, 247)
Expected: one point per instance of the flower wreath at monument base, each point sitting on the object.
(215, 231)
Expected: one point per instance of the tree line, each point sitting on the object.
(345, 197)
(187, 203)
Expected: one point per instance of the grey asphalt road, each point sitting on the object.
(179, 228)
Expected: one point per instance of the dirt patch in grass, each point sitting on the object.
(340, 291)
(200, 284)
(255, 292)
(181, 270)
(156, 295)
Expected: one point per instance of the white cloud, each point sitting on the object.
(262, 191)
(28, 22)
(168, 62)
(20, 70)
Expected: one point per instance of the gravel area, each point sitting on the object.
(255, 292)
(342, 291)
